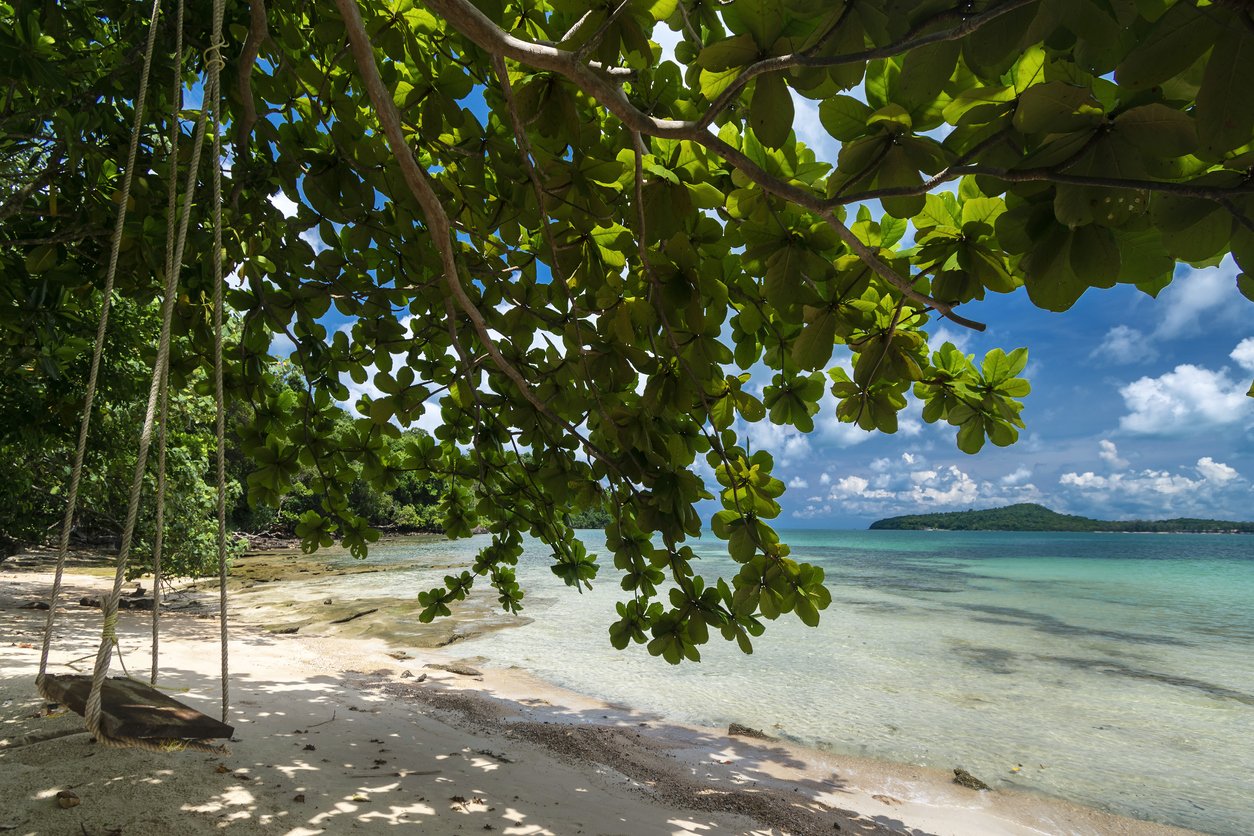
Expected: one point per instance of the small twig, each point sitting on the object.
(324, 722)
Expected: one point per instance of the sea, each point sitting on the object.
(1114, 670)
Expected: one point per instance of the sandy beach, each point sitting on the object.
(336, 734)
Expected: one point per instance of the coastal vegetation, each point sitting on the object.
(593, 261)
(1032, 517)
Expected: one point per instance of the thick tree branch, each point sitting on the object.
(476, 26)
(258, 32)
(1052, 175)
(436, 218)
(780, 63)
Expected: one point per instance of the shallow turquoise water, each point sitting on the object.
(1117, 669)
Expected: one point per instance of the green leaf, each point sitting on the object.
(844, 117)
(729, 53)
(41, 259)
(1056, 107)
(1095, 255)
(771, 110)
(813, 347)
(1174, 42)
(1225, 104)
(1245, 284)
(1158, 129)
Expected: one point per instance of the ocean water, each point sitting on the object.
(1116, 670)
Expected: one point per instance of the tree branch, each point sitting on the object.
(911, 41)
(258, 33)
(436, 218)
(1052, 175)
(473, 24)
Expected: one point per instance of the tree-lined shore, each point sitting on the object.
(1033, 517)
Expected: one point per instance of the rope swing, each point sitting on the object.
(69, 689)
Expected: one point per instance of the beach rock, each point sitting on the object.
(88, 601)
(737, 730)
(455, 667)
(966, 779)
(406, 675)
(354, 616)
(67, 799)
(285, 631)
(34, 605)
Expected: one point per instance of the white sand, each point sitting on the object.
(330, 738)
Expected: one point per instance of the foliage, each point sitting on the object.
(39, 427)
(1032, 517)
(580, 250)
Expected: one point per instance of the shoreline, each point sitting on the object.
(583, 756)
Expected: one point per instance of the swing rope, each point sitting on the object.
(76, 472)
(158, 393)
(214, 59)
(163, 419)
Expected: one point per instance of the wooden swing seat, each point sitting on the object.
(136, 709)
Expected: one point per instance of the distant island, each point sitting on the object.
(1032, 517)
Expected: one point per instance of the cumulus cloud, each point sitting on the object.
(797, 483)
(810, 130)
(1204, 490)
(1124, 346)
(1110, 454)
(1197, 300)
(787, 445)
(282, 346)
(285, 205)
(1243, 354)
(1217, 472)
(907, 484)
(1185, 401)
(1018, 476)
(942, 335)
(314, 239)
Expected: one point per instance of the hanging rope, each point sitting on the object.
(171, 231)
(104, 653)
(213, 57)
(157, 392)
(106, 296)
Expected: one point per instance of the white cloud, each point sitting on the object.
(797, 483)
(1019, 476)
(312, 238)
(1193, 303)
(1125, 346)
(1216, 472)
(810, 130)
(1185, 401)
(942, 335)
(282, 346)
(285, 205)
(1110, 454)
(787, 445)
(825, 479)
(1202, 490)
(905, 486)
(1243, 354)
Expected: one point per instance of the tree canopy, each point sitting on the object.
(598, 260)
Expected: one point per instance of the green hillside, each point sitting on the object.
(1032, 517)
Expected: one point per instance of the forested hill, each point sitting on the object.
(1032, 517)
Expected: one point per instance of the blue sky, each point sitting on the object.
(1138, 410)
